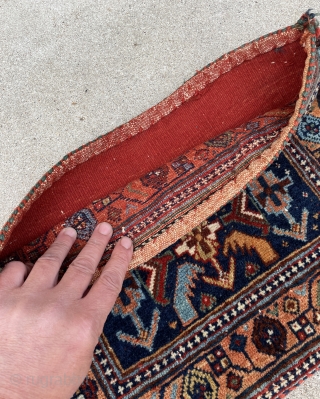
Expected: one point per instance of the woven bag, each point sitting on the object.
(218, 185)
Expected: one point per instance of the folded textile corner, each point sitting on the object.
(218, 186)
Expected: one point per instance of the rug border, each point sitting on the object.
(191, 88)
(201, 212)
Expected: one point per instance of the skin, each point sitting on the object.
(49, 330)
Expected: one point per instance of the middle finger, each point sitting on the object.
(80, 272)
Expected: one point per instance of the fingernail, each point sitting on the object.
(126, 242)
(104, 228)
(69, 231)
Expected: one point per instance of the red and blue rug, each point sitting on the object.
(223, 296)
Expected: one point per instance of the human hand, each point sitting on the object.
(49, 330)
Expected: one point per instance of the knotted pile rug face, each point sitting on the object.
(223, 204)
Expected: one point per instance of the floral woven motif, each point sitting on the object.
(223, 297)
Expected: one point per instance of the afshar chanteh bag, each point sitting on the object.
(219, 186)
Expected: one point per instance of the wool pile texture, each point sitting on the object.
(223, 296)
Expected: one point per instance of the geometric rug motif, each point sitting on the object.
(162, 195)
(232, 308)
(235, 300)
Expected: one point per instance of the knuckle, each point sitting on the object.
(83, 265)
(112, 281)
(49, 258)
(95, 243)
(88, 329)
(59, 247)
(55, 253)
(120, 257)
